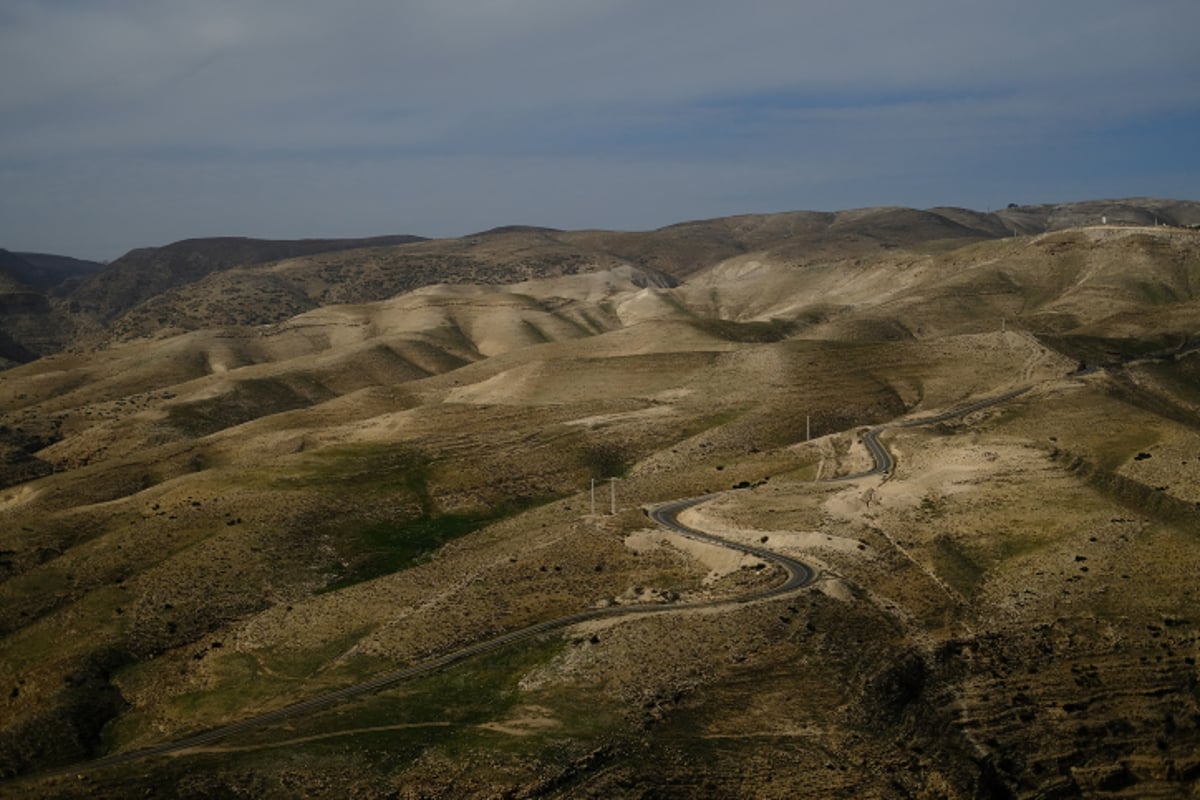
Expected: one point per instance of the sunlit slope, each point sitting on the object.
(258, 293)
(201, 382)
(1081, 290)
(176, 543)
(245, 516)
(1133, 282)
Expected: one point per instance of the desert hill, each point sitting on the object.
(46, 271)
(273, 292)
(206, 283)
(25, 314)
(217, 519)
(276, 291)
(10, 267)
(65, 302)
(1086, 292)
(1130, 211)
(143, 273)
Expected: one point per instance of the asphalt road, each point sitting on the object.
(798, 575)
(883, 461)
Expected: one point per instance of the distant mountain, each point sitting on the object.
(48, 301)
(46, 271)
(24, 311)
(688, 247)
(51, 302)
(12, 266)
(143, 273)
(219, 518)
(1130, 211)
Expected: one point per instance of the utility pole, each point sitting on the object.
(593, 497)
(807, 427)
(612, 487)
(1003, 325)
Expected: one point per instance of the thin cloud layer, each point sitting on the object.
(129, 122)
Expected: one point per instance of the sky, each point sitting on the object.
(131, 123)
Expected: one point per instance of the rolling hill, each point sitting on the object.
(48, 272)
(280, 479)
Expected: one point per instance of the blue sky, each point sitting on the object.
(127, 123)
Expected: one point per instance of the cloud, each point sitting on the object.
(156, 89)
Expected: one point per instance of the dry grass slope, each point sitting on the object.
(240, 516)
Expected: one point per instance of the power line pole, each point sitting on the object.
(807, 427)
(612, 486)
(593, 497)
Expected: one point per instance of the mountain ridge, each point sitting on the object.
(208, 520)
(221, 281)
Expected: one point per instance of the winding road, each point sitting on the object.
(883, 460)
(797, 575)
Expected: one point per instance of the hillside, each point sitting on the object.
(276, 291)
(328, 467)
(66, 302)
(258, 294)
(11, 266)
(1132, 211)
(143, 273)
(206, 283)
(46, 271)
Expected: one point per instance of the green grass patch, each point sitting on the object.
(964, 564)
(1156, 293)
(55, 636)
(366, 468)
(304, 664)
(398, 523)
(240, 689)
(385, 547)
(1123, 444)
(805, 473)
(708, 422)
(949, 245)
(246, 400)
(1017, 546)
(957, 566)
(439, 706)
(241, 684)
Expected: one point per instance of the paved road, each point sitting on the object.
(798, 575)
(883, 461)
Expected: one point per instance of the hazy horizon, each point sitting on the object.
(138, 124)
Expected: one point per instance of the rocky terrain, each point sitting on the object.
(278, 479)
(59, 302)
(205, 283)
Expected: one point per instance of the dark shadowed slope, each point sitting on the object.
(143, 273)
